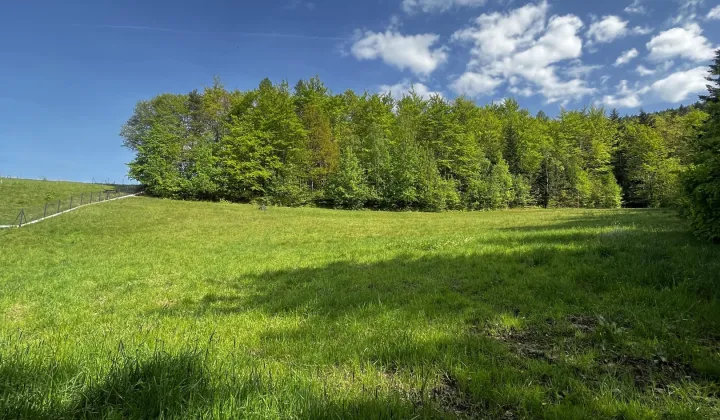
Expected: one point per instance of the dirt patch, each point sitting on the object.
(529, 344)
(657, 373)
(449, 395)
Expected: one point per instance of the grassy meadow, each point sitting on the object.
(147, 308)
(32, 194)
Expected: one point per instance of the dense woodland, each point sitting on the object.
(305, 145)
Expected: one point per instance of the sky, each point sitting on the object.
(72, 71)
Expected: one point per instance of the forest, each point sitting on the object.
(307, 146)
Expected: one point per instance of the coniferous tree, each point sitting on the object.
(702, 183)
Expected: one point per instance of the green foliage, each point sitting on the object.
(348, 187)
(702, 182)
(284, 147)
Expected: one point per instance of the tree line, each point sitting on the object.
(308, 146)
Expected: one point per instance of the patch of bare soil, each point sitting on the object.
(656, 374)
(448, 395)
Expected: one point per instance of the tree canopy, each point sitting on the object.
(306, 145)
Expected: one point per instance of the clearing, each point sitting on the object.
(143, 308)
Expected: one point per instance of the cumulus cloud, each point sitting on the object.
(404, 88)
(644, 71)
(412, 52)
(642, 30)
(608, 29)
(636, 8)
(522, 45)
(675, 88)
(525, 92)
(679, 86)
(626, 57)
(714, 13)
(437, 6)
(475, 84)
(624, 97)
(498, 35)
(686, 42)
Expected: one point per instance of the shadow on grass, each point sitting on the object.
(159, 386)
(570, 312)
(543, 327)
(179, 386)
(539, 272)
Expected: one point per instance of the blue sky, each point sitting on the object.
(72, 71)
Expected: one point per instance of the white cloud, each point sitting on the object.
(626, 57)
(525, 92)
(497, 34)
(714, 13)
(413, 52)
(438, 6)
(684, 42)
(644, 71)
(404, 88)
(608, 29)
(475, 84)
(523, 46)
(642, 30)
(675, 88)
(636, 8)
(625, 97)
(578, 69)
(687, 13)
(678, 86)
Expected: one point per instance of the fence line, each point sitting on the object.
(75, 208)
(22, 218)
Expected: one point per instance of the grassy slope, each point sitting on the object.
(143, 306)
(16, 194)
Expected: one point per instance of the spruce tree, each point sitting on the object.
(702, 182)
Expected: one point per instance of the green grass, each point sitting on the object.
(146, 308)
(31, 194)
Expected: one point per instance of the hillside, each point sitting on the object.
(146, 307)
(31, 195)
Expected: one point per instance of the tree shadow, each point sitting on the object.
(179, 386)
(160, 386)
(528, 309)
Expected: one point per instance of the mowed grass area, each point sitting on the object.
(16, 194)
(145, 308)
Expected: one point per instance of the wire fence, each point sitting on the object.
(34, 214)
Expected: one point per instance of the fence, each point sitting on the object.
(34, 214)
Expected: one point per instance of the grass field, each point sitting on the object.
(146, 308)
(16, 194)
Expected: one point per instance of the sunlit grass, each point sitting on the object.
(30, 194)
(144, 307)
